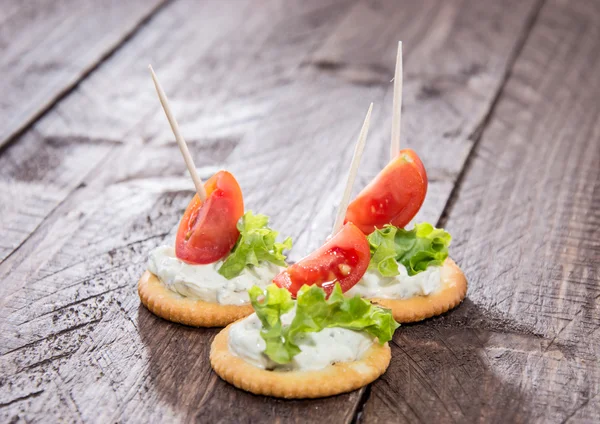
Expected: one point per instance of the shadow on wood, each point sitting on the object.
(179, 372)
(444, 370)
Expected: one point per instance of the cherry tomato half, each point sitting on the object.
(343, 259)
(393, 197)
(208, 231)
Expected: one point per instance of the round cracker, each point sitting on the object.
(185, 310)
(332, 380)
(454, 290)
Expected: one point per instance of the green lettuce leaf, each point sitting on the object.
(269, 306)
(256, 244)
(416, 249)
(314, 312)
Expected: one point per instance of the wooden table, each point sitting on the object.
(501, 100)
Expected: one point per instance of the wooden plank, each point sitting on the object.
(43, 56)
(41, 173)
(48, 46)
(524, 347)
(76, 344)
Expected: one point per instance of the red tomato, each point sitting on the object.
(208, 231)
(393, 197)
(343, 259)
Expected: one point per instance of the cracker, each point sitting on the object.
(171, 306)
(335, 379)
(421, 307)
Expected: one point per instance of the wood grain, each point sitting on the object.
(276, 93)
(525, 346)
(47, 46)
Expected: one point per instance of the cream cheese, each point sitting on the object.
(204, 282)
(318, 350)
(402, 286)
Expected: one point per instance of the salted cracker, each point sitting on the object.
(335, 379)
(167, 304)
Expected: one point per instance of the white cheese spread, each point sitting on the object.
(204, 282)
(318, 350)
(402, 286)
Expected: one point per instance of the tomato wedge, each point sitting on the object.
(393, 197)
(208, 230)
(343, 259)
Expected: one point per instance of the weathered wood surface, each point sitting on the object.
(47, 46)
(525, 345)
(276, 92)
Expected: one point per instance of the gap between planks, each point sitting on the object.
(477, 134)
(85, 72)
(66, 91)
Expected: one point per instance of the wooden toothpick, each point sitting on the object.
(189, 162)
(358, 150)
(397, 108)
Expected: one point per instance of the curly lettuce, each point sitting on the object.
(314, 312)
(256, 243)
(416, 249)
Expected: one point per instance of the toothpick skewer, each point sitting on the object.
(189, 162)
(358, 151)
(397, 108)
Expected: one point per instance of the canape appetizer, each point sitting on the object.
(321, 344)
(305, 348)
(203, 281)
(409, 271)
(219, 253)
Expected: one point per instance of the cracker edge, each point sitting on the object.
(335, 379)
(421, 307)
(194, 312)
